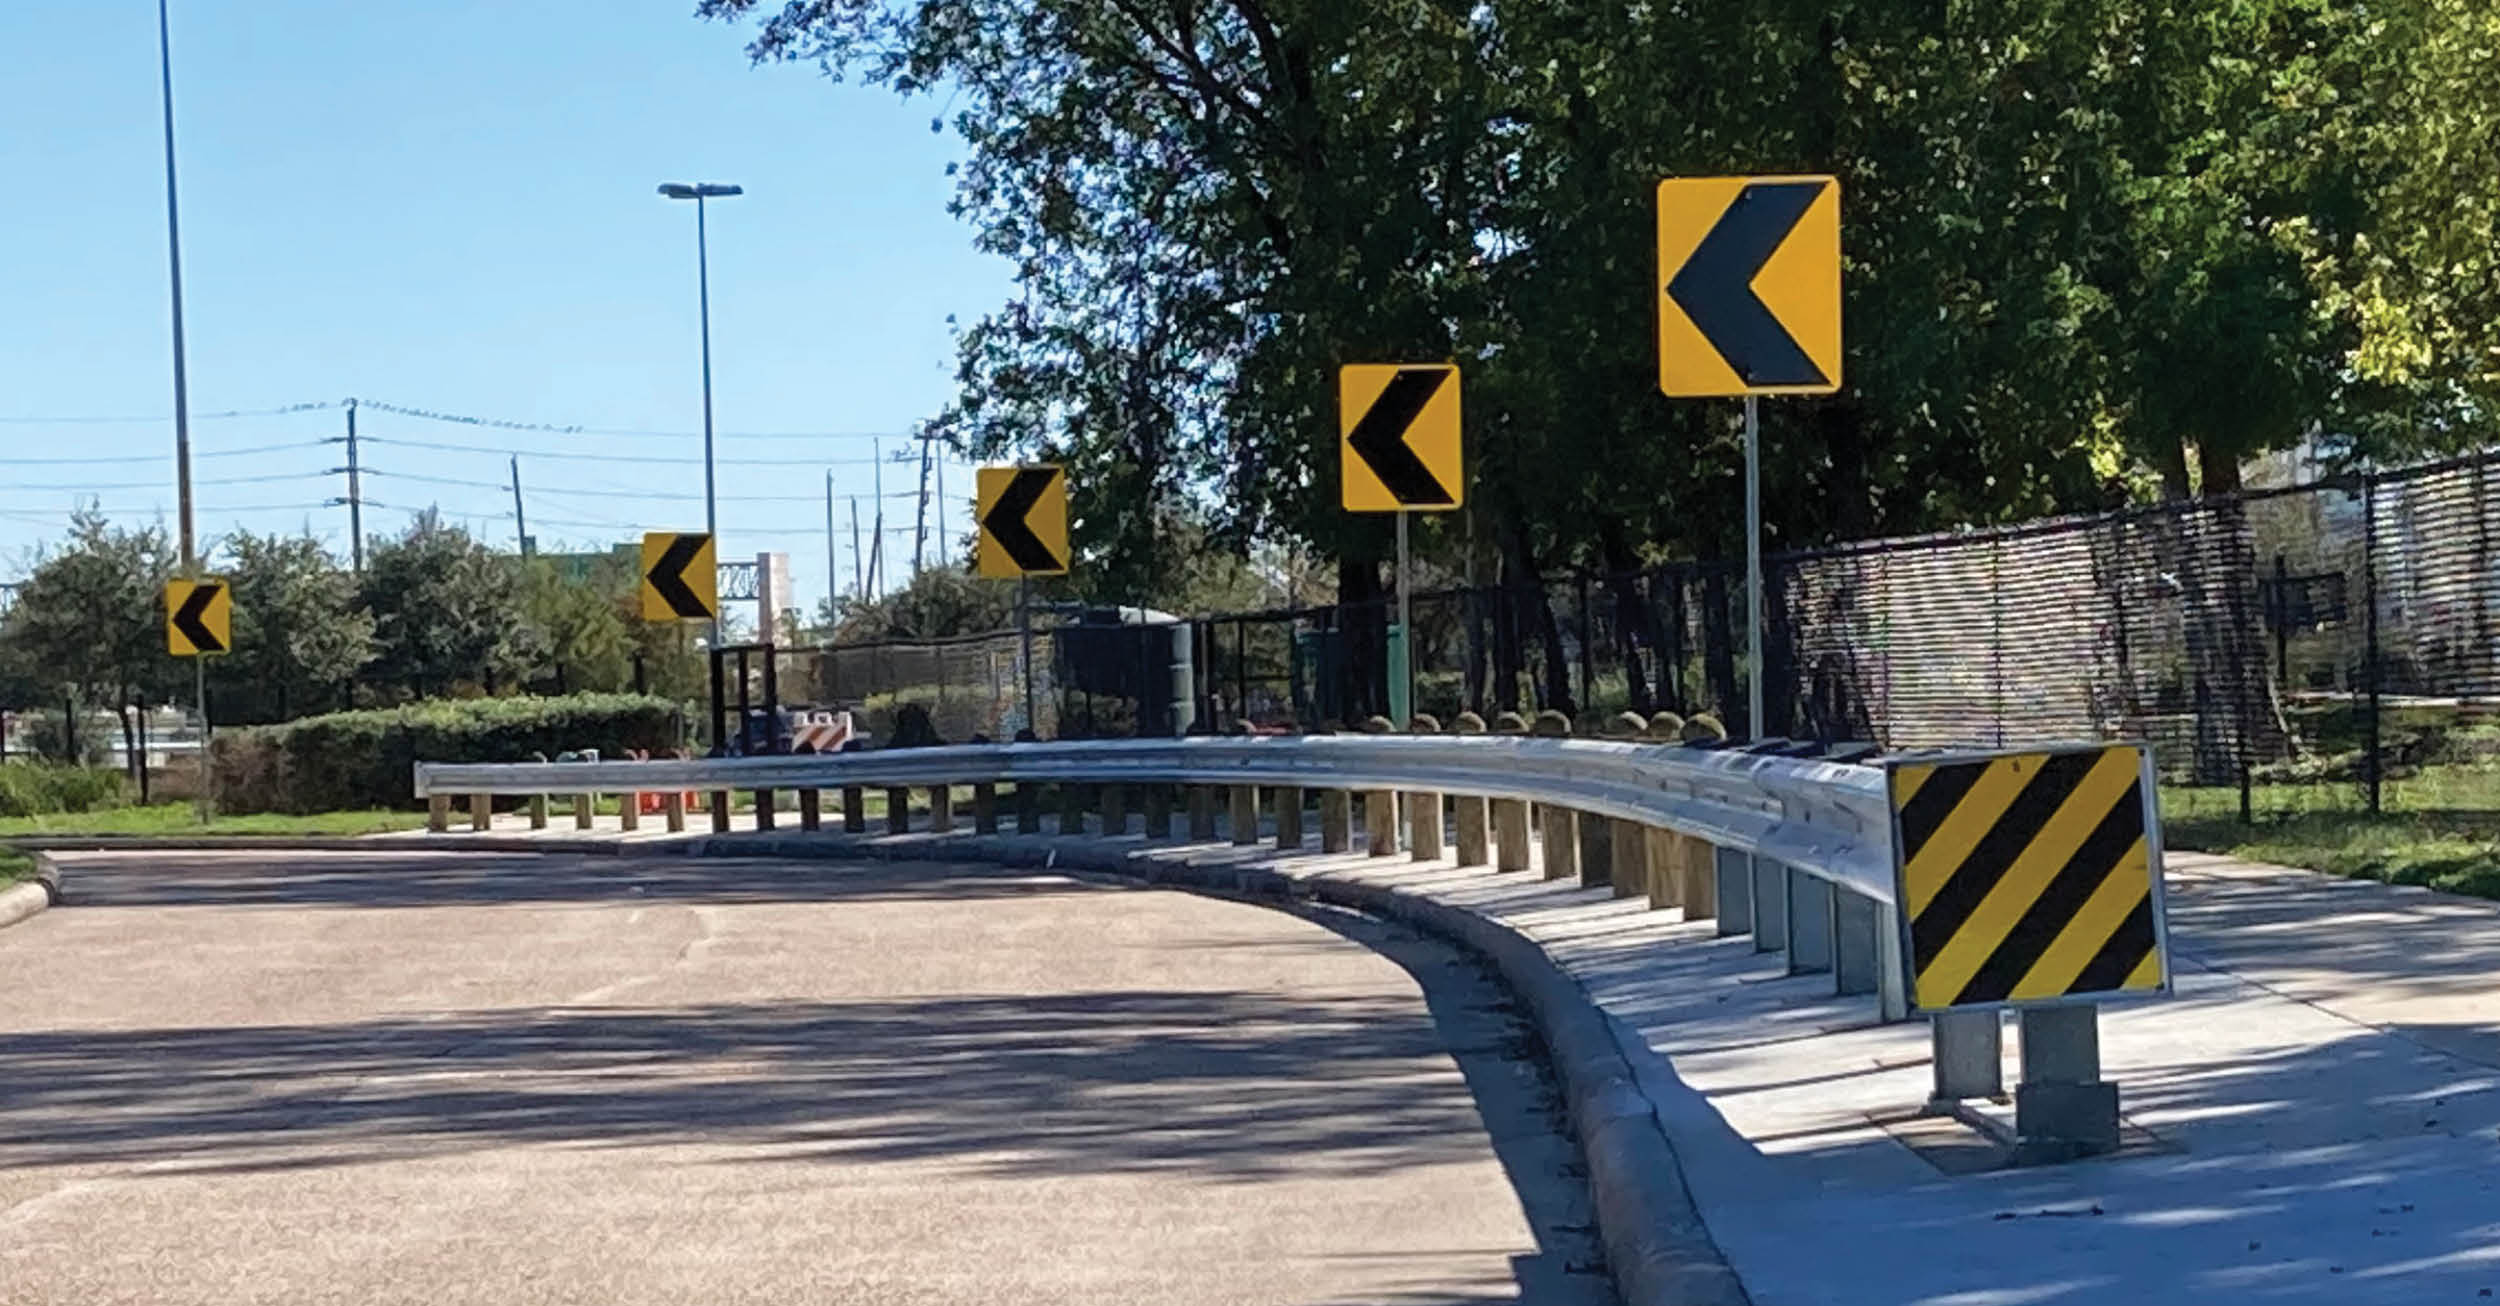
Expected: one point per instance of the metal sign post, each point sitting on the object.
(1024, 626)
(1402, 644)
(1753, 567)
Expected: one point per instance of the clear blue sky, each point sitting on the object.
(450, 206)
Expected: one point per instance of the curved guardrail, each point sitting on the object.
(1826, 819)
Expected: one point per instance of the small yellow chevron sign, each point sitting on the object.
(2029, 877)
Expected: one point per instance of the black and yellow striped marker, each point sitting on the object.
(2028, 877)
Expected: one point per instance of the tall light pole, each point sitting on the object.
(182, 389)
(700, 192)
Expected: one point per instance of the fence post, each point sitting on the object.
(1510, 815)
(1468, 811)
(1558, 831)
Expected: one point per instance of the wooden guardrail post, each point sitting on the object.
(1424, 833)
(437, 813)
(585, 810)
(1700, 893)
(767, 808)
(897, 810)
(985, 808)
(811, 810)
(1244, 817)
(1466, 811)
(538, 811)
(1380, 806)
(1028, 807)
(1627, 842)
(672, 811)
(1202, 813)
(1158, 811)
(720, 804)
(942, 809)
(1558, 828)
(1288, 817)
(1510, 815)
(1114, 811)
(854, 810)
(1071, 807)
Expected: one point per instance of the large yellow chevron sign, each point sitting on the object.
(2029, 877)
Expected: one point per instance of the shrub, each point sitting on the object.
(358, 760)
(47, 788)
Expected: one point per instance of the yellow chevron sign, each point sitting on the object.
(2029, 877)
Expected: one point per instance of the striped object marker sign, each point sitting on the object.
(2029, 878)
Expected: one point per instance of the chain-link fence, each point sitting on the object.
(2331, 646)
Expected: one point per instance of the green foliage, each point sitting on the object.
(939, 603)
(44, 788)
(364, 759)
(447, 613)
(298, 632)
(90, 619)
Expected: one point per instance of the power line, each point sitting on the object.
(198, 454)
(158, 485)
(560, 428)
(603, 456)
(149, 421)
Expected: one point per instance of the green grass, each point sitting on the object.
(2438, 827)
(182, 819)
(14, 866)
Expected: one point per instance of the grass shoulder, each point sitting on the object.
(181, 819)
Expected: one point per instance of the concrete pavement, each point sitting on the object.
(418, 1077)
(2315, 1117)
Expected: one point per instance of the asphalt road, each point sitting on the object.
(445, 1079)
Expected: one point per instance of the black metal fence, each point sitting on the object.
(2330, 646)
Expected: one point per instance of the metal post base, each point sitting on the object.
(1969, 1057)
(1770, 905)
(1809, 924)
(2062, 1107)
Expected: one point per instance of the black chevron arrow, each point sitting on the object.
(1715, 285)
(1006, 524)
(190, 618)
(668, 577)
(1380, 438)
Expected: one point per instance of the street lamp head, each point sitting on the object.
(707, 190)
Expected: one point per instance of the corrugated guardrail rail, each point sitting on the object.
(1802, 852)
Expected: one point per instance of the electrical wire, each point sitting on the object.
(653, 460)
(556, 428)
(202, 454)
(144, 421)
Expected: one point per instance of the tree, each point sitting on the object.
(447, 613)
(939, 603)
(90, 619)
(299, 635)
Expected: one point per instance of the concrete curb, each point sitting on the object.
(1658, 1249)
(20, 901)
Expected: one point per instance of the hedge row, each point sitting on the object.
(357, 760)
(48, 789)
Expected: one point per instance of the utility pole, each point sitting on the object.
(520, 520)
(859, 561)
(876, 541)
(833, 566)
(942, 542)
(355, 495)
(920, 513)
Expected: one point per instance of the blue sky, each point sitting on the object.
(450, 206)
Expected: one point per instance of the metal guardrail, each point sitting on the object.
(1826, 819)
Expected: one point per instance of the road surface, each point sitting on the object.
(441, 1078)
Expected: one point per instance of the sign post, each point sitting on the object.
(199, 625)
(1023, 512)
(1400, 451)
(1750, 271)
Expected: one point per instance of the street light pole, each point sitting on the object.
(700, 192)
(182, 385)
